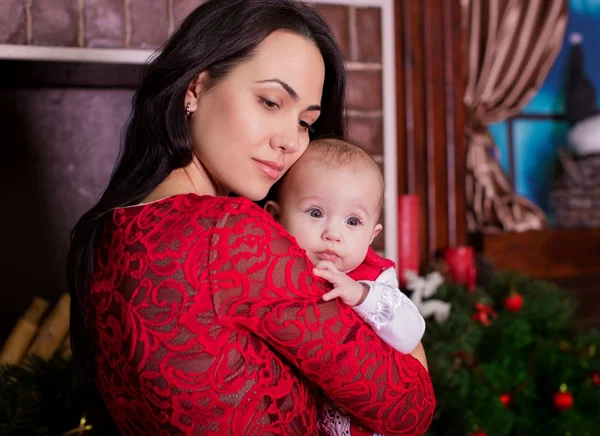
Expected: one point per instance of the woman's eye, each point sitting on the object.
(315, 213)
(353, 221)
(306, 127)
(269, 104)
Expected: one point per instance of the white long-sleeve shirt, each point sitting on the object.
(391, 314)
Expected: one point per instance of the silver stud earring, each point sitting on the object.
(188, 111)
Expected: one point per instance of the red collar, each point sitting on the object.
(371, 267)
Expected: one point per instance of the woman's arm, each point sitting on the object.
(265, 285)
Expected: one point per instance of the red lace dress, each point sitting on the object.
(208, 321)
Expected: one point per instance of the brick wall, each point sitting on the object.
(63, 122)
(145, 24)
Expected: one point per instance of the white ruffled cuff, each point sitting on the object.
(380, 305)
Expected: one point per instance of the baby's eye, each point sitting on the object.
(353, 221)
(315, 213)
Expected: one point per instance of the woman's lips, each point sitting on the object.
(270, 168)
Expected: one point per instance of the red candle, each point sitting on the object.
(408, 234)
(461, 265)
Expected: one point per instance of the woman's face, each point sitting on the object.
(253, 125)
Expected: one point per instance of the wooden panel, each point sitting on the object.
(401, 112)
(435, 119)
(554, 253)
(455, 74)
(431, 77)
(414, 87)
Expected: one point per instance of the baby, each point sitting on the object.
(331, 202)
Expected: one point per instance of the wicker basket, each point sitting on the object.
(575, 194)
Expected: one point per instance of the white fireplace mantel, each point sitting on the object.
(75, 54)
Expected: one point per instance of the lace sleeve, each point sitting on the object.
(261, 280)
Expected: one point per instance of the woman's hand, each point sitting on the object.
(350, 291)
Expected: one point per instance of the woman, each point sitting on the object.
(194, 312)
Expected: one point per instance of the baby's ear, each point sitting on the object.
(274, 209)
(378, 228)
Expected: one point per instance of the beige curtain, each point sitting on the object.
(512, 45)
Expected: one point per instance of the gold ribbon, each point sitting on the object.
(83, 427)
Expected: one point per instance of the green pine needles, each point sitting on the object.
(496, 371)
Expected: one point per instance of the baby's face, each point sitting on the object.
(332, 212)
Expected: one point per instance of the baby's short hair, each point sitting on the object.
(340, 153)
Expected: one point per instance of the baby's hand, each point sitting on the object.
(350, 291)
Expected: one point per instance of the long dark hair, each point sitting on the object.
(215, 37)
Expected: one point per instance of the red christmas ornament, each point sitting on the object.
(514, 302)
(595, 378)
(479, 433)
(484, 314)
(563, 400)
(505, 399)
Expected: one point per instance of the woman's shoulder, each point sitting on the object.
(239, 212)
(227, 209)
(222, 211)
(234, 206)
